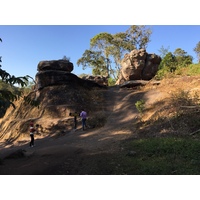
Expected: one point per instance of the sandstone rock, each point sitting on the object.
(101, 80)
(138, 65)
(58, 72)
(133, 83)
(63, 65)
(53, 77)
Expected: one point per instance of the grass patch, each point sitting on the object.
(161, 156)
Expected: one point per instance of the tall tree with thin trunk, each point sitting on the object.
(197, 51)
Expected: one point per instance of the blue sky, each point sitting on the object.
(24, 46)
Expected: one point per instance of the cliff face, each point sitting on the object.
(57, 93)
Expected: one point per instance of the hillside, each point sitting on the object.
(169, 111)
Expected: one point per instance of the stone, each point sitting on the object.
(138, 65)
(61, 65)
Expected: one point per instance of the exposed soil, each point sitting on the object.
(83, 152)
(77, 151)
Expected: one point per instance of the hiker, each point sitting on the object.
(75, 118)
(83, 116)
(32, 131)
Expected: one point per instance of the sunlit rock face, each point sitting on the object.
(138, 65)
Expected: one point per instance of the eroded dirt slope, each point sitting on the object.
(82, 152)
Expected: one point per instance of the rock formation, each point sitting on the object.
(101, 80)
(138, 65)
(57, 93)
(58, 72)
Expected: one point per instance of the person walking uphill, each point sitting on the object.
(83, 115)
(32, 131)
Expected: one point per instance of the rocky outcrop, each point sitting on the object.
(58, 72)
(56, 94)
(101, 80)
(58, 65)
(138, 65)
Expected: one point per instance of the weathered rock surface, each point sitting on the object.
(101, 80)
(63, 65)
(57, 92)
(138, 65)
(58, 72)
(53, 77)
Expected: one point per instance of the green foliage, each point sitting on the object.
(111, 81)
(168, 62)
(193, 69)
(140, 105)
(163, 51)
(95, 60)
(161, 156)
(197, 51)
(108, 49)
(174, 63)
(9, 92)
(137, 37)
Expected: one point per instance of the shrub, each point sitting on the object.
(140, 105)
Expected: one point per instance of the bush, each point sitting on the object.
(140, 105)
(111, 81)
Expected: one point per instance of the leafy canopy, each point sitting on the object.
(8, 90)
(197, 51)
(107, 50)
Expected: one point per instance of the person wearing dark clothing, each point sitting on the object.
(32, 131)
(75, 115)
(75, 120)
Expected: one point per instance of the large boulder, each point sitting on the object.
(58, 72)
(55, 78)
(61, 65)
(138, 65)
(101, 80)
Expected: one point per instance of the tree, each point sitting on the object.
(138, 37)
(163, 51)
(101, 43)
(182, 58)
(168, 63)
(95, 60)
(197, 51)
(8, 92)
(110, 48)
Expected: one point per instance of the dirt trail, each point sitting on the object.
(65, 154)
